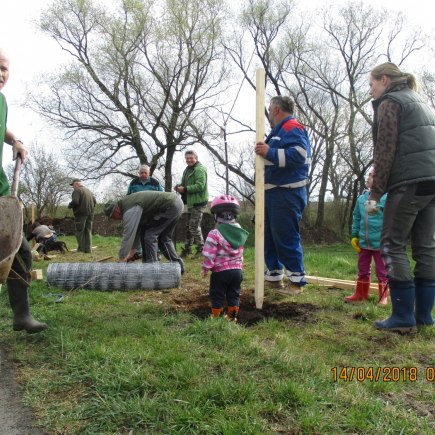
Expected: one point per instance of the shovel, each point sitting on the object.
(11, 225)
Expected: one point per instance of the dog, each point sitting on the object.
(53, 246)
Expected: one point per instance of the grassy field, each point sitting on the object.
(146, 362)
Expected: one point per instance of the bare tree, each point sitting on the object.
(42, 182)
(428, 86)
(325, 69)
(137, 73)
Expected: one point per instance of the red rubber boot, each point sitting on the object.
(361, 291)
(383, 293)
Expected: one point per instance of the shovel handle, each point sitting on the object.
(16, 178)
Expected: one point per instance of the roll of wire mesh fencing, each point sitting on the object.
(114, 276)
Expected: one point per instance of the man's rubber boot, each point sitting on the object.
(19, 300)
(198, 253)
(361, 291)
(181, 263)
(187, 250)
(232, 313)
(424, 300)
(216, 312)
(402, 301)
(383, 293)
(169, 252)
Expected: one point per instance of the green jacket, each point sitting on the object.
(152, 203)
(194, 181)
(82, 202)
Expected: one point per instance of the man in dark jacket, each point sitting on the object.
(151, 217)
(144, 182)
(83, 204)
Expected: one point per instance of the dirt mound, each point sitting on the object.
(250, 315)
(193, 298)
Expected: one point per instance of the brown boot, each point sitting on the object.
(361, 292)
(274, 284)
(291, 289)
(383, 293)
(232, 313)
(216, 312)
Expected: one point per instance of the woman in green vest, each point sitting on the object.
(404, 166)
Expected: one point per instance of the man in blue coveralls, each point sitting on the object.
(288, 154)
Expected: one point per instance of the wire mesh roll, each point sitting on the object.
(114, 276)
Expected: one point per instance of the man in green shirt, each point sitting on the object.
(19, 278)
(194, 191)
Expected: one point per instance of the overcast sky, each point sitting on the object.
(32, 53)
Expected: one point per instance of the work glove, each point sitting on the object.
(355, 244)
(371, 207)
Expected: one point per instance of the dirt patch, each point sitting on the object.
(195, 300)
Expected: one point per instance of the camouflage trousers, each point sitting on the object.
(194, 232)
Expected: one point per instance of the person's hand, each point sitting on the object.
(19, 148)
(355, 244)
(371, 207)
(204, 273)
(261, 149)
(131, 256)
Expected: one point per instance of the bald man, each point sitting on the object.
(19, 277)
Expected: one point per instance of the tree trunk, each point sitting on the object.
(170, 151)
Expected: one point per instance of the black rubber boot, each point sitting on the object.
(198, 253)
(19, 300)
(424, 300)
(402, 318)
(18, 283)
(187, 250)
(169, 252)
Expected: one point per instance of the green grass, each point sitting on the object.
(130, 362)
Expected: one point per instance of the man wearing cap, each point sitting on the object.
(83, 204)
(150, 217)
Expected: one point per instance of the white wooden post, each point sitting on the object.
(259, 192)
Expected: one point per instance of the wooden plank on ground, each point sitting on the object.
(337, 283)
(105, 259)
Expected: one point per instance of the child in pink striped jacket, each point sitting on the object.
(223, 256)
